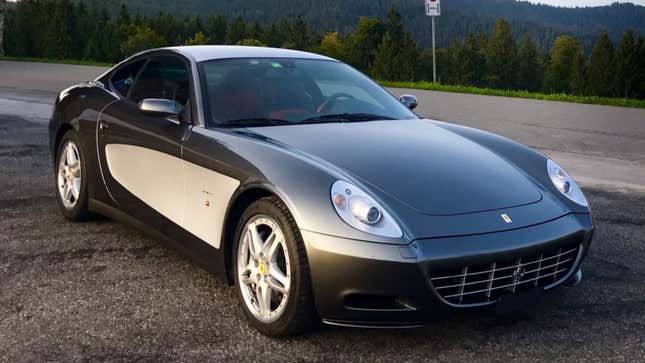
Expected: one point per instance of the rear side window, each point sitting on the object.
(163, 77)
(124, 78)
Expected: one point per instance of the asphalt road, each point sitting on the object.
(103, 291)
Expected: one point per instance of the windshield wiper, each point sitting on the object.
(257, 121)
(346, 117)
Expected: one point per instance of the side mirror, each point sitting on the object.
(161, 107)
(409, 101)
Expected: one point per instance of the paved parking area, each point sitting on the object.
(103, 291)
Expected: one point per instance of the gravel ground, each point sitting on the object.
(103, 291)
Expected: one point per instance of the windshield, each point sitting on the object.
(269, 91)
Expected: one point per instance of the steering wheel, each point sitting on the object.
(332, 100)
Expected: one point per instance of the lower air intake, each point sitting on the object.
(484, 283)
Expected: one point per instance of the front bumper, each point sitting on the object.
(358, 283)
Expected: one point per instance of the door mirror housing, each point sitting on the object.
(409, 101)
(161, 107)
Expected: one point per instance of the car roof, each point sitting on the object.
(202, 53)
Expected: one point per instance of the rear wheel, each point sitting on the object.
(71, 180)
(271, 270)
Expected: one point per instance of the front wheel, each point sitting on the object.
(71, 178)
(271, 270)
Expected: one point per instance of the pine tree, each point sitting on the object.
(61, 26)
(301, 34)
(236, 31)
(141, 39)
(577, 84)
(332, 46)
(627, 66)
(216, 28)
(3, 9)
(383, 67)
(272, 36)
(284, 34)
(397, 55)
(361, 45)
(254, 31)
(501, 57)
(566, 50)
(425, 65)
(468, 61)
(124, 16)
(640, 93)
(600, 68)
(198, 39)
(192, 26)
(529, 70)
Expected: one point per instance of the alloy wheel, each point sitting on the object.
(69, 175)
(263, 268)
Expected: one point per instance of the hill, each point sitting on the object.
(460, 17)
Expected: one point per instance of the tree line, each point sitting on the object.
(459, 17)
(382, 48)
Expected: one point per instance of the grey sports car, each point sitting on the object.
(314, 191)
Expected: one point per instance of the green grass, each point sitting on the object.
(592, 100)
(56, 61)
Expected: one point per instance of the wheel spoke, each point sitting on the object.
(247, 280)
(75, 167)
(61, 179)
(270, 245)
(279, 276)
(247, 275)
(255, 241)
(68, 192)
(76, 187)
(264, 299)
(70, 158)
(276, 285)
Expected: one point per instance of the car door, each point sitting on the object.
(139, 152)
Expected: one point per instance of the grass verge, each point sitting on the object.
(592, 100)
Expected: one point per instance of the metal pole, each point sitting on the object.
(434, 55)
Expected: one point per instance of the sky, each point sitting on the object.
(572, 3)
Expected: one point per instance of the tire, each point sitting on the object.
(74, 209)
(298, 313)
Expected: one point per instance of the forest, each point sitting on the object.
(496, 56)
(459, 17)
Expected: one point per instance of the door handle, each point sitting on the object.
(103, 125)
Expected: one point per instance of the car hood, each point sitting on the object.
(430, 169)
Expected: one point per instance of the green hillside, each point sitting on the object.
(461, 17)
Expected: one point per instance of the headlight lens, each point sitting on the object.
(565, 184)
(361, 211)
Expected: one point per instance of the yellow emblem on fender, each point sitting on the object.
(506, 218)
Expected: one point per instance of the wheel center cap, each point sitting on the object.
(262, 268)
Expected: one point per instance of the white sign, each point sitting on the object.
(433, 7)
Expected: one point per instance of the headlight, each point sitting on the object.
(565, 184)
(361, 211)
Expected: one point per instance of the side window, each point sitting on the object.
(163, 77)
(123, 79)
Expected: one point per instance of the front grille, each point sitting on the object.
(484, 283)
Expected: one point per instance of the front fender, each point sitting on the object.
(301, 181)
